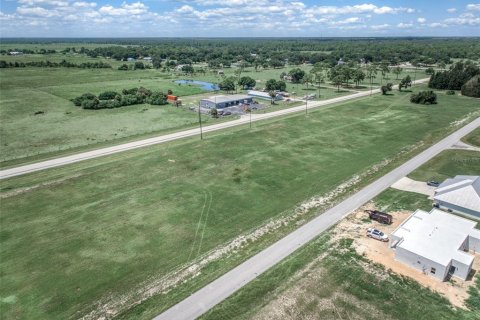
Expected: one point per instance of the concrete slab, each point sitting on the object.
(407, 184)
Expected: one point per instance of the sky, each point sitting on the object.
(238, 18)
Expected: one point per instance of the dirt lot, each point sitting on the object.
(355, 226)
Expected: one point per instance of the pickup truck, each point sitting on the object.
(380, 216)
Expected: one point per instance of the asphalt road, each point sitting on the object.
(61, 161)
(218, 290)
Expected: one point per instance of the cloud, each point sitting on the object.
(380, 26)
(136, 8)
(36, 11)
(56, 3)
(421, 20)
(402, 25)
(464, 19)
(82, 4)
(360, 8)
(473, 7)
(452, 10)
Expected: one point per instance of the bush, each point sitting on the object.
(107, 95)
(424, 97)
(86, 96)
(157, 98)
(123, 67)
(450, 93)
(472, 87)
(90, 104)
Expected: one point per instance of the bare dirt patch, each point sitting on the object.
(355, 226)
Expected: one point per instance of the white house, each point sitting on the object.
(437, 243)
(460, 194)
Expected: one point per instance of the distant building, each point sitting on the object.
(340, 62)
(147, 58)
(220, 102)
(264, 95)
(460, 194)
(130, 59)
(437, 243)
(15, 53)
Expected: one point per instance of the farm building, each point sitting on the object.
(220, 102)
(264, 95)
(460, 194)
(437, 243)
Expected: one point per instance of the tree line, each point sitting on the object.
(456, 78)
(113, 99)
(50, 64)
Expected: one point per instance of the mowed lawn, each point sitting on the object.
(88, 230)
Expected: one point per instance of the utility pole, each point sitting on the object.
(200, 121)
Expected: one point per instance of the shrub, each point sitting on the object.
(107, 95)
(123, 67)
(157, 98)
(90, 104)
(86, 96)
(472, 87)
(424, 97)
(130, 91)
(450, 93)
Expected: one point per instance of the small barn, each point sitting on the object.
(438, 243)
(460, 194)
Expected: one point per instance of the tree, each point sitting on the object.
(273, 85)
(424, 97)
(297, 75)
(272, 95)
(188, 69)
(405, 83)
(139, 65)
(214, 113)
(397, 71)
(384, 69)
(281, 85)
(472, 87)
(283, 75)
(386, 88)
(228, 84)
(307, 78)
(358, 76)
(371, 72)
(246, 82)
(123, 67)
(337, 81)
(429, 71)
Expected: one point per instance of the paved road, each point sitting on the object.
(42, 165)
(207, 297)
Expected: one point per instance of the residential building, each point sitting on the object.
(437, 243)
(460, 195)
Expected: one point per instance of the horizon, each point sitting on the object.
(237, 19)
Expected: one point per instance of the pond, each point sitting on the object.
(208, 86)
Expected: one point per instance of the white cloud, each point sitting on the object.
(125, 9)
(36, 11)
(83, 4)
(437, 25)
(402, 25)
(421, 20)
(473, 7)
(380, 26)
(56, 3)
(360, 8)
(452, 10)
(464, 19)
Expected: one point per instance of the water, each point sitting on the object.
(208, 86)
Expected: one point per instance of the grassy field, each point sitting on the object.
(473, 138)
(339, 287)
(72, 235)
(449, 164)
(62, 127)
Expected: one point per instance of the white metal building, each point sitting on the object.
(460, 194)
(437, 243)
(264, 95)
(220, 102)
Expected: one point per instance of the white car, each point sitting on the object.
(377, 234)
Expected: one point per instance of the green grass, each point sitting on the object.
(448, 164)
(396, 200)
(100, 227)
(473, 138)
(340, 279)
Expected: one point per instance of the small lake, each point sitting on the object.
(208, 86)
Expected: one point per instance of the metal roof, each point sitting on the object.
(229, 98)
(437, 236)
(462, 191)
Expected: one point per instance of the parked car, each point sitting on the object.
(377, 234)
(380, 216)
(433, 183)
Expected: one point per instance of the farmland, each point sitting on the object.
(39, 120)
(102, 227)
